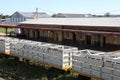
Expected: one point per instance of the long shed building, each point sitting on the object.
(82, 32)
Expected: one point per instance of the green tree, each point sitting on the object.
(107, 14)
(4, 16)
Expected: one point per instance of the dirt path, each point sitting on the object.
(116, 52)
(2, 34)
(2, 78)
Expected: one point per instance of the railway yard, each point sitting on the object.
(32, 60)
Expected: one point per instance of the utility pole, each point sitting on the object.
(35, 15)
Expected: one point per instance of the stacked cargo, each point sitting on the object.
(116, 69)
(36, 50)
(107, 68)
(88, 62)
(4, 45)
(111, 67)
(94, 63)
(99, 64)
(26, 48)
(57, 55)
(79, 61)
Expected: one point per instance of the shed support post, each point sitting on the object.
(6, 30)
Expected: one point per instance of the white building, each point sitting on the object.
(5, 21)
(23, 16)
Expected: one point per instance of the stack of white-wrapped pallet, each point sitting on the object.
(59, 55)
(4, 45)
(110, 70)
(88, 62)
(116, 68)
(56, 55)
(16, 47)
(25, 48)
(107, 67)
(96, 60)
(98, 64)
(79, 60)
(37, 50)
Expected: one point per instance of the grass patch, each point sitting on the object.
(3, 30)
(16, 70)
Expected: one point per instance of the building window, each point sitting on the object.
(23, 19)
(16, 19)
(13, 19)
(20, 19)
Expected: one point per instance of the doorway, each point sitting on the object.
(97, 40)
(37, 34)
(28, 34)
(33, 34)
(104, 41)
(74, 38)
(88, 39)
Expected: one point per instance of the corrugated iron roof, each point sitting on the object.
(102, 22)
(31, 14)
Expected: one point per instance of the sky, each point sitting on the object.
(8, 7)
